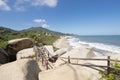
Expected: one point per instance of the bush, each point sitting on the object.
(114, 72)
(3, 44)
(45, 39)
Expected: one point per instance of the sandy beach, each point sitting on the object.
(62, 70)
(74, 72)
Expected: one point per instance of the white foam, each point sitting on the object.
(75, 42)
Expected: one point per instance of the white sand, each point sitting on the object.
(61, 43)
(72, 72)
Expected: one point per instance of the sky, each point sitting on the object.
(83, 17)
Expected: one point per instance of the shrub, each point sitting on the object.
(114, 72)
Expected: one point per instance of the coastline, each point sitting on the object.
(62, 42)
(67, 46)
(82, 51)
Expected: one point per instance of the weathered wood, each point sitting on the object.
(108, 65)
(41, 53)
(69, 59)
(83, 59)
(90, 59)
(88, 65)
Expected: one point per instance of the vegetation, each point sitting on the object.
(39, 34)
(114, 73)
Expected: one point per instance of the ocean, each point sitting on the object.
(101, 45)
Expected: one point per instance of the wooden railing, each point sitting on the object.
(42, 55)
(107, 66)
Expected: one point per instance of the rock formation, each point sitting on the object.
(16, 45)
(3, 56)
(24, 69)
(25, 53)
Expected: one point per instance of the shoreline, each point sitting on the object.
(62, 42)
(62, 69)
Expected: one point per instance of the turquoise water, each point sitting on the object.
(105, 39)
(101, 45)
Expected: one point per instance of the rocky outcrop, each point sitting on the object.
(16, 45)
(24, 69)
(29, 52)
(25, 53)
(70, 72)
(50, 49)
(3, 56)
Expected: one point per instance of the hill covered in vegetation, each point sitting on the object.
(40, 34)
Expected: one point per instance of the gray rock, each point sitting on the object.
(3, 56)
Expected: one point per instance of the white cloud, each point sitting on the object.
(4, 6)
(45, 26)
(23, 3)
(39, 20)
(50, 3)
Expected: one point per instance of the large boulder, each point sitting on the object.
(3, 56)
(16, 45)
(29, 52)
(24, 69)
(25, 53)
(50, 49)
(70, 72)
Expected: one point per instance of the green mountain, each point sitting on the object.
(44, 30)
(42, 35)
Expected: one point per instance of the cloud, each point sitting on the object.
(45, 26)
(49, 3)
(4, 6)
(39, 20)
(34, 3)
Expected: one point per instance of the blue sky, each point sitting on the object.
(83, 17)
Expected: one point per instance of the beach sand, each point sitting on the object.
(65, 71)
(62, 42)
(68, 71)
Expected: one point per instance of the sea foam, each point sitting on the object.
(98, 48)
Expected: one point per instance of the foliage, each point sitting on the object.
(3, 44)
(114, 72)
(39, 34)
(45, 39)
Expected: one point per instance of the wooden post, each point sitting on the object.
(48, 55)
(69, 59)
(42, 60)
(108, 65)
(47, 65)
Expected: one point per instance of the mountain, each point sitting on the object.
(40, 29)
(44, 36)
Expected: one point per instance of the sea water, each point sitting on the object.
(101, 45)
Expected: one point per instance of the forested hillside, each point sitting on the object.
(42, 35)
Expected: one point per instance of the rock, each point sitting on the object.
(70, 72)
(58, 53)
(3, 56)
(16, 45)
(24, 69)
(29, 52)
(25, 53)
(50, 49)
(61, 51)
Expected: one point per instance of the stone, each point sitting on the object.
(23, 69)
(16, 45)
(3, 56)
